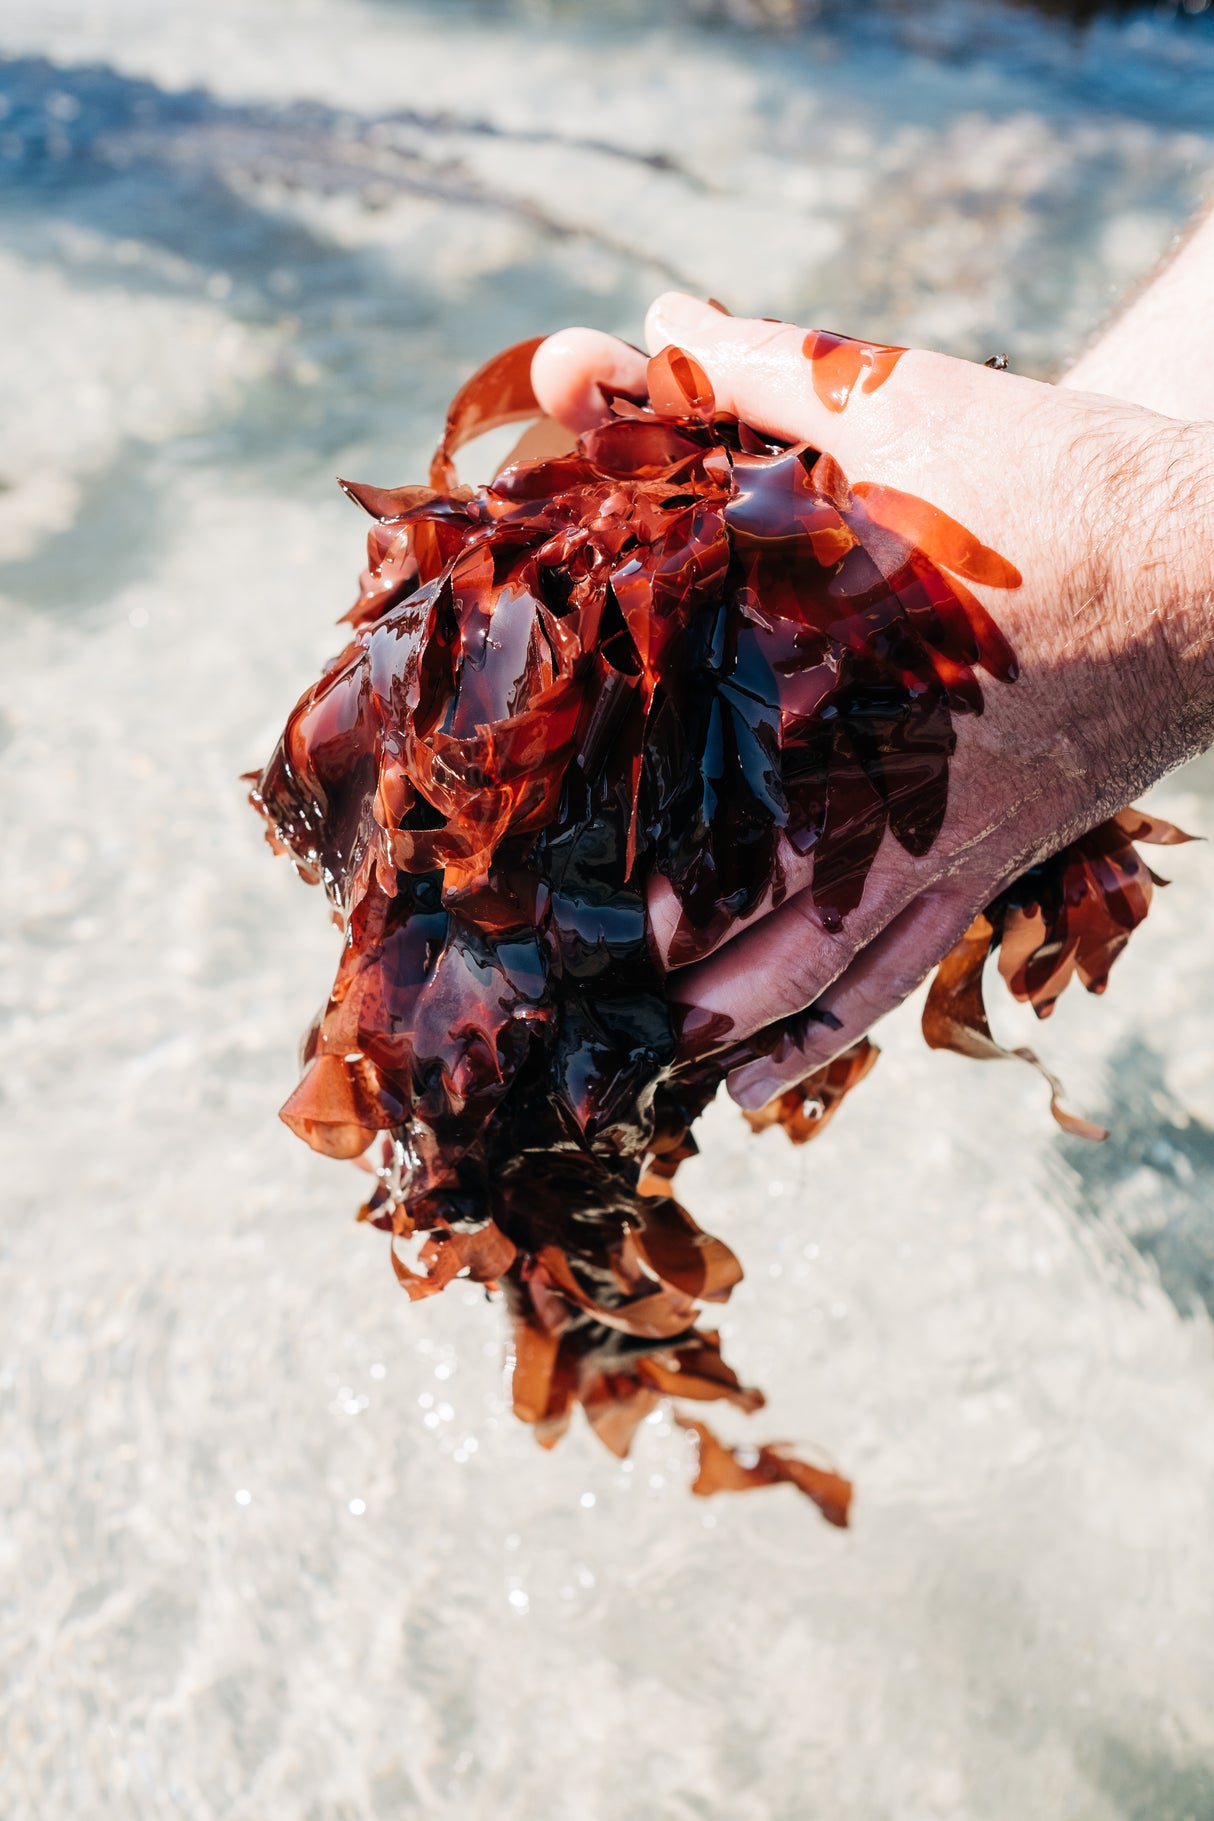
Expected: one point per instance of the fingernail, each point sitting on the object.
(756, 1092)
(675, 307)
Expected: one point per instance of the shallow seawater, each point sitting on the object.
(272, 1545)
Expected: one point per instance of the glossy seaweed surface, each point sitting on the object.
(673, 648)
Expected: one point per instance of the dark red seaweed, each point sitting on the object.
(678, 648)
(1068, 917)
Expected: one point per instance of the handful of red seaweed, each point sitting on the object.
(677, 647)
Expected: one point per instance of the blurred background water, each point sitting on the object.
(271, 1544)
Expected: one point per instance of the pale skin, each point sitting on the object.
(1100, 491)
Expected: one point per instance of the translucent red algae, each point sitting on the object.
(839, 364)
(671, 648)
(1069, 916)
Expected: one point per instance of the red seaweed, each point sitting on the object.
(673, 647)
(840, 364)
(1069, 917)
(805, 1109)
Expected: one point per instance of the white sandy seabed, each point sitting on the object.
(272, 1545)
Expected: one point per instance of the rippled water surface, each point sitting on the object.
(272, 1546)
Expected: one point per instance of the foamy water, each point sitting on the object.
(272, 1545)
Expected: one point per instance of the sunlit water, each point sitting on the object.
(272, 1546)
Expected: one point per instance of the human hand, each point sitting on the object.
(1095, 504)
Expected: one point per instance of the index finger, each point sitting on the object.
(884, 413)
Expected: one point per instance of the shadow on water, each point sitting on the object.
(1139, 57)
(184, 196)
(67, 131)
(786, 15)
(114, 537)
(780, 14)
(211, 183)
(1152, 1178)
(123, 186)
(1149, 1786)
